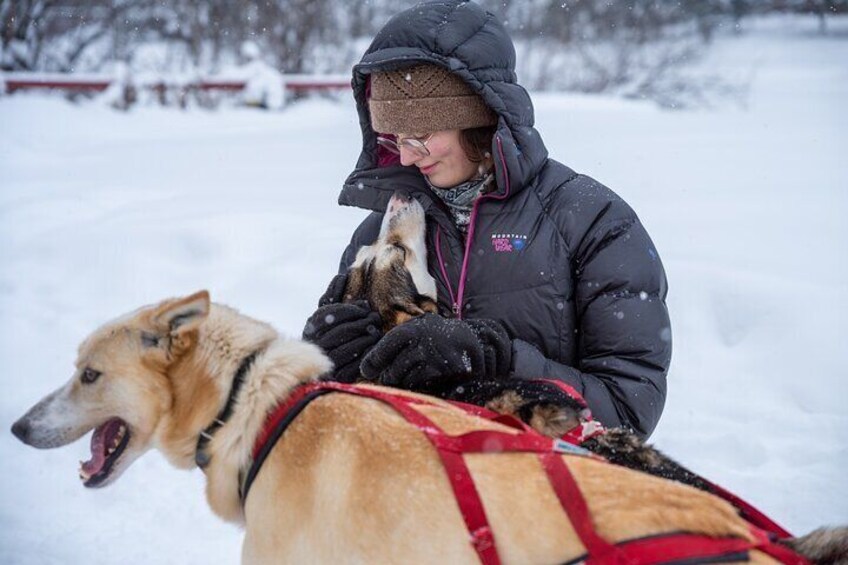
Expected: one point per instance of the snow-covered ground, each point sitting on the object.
(101, 212)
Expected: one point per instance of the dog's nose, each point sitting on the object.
(21, 430)
(401, 196)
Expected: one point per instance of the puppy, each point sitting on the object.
(392, 273)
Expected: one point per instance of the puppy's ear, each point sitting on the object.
(183, 315)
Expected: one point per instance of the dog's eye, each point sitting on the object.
(400, 247)
(89, 375)
(149, 339)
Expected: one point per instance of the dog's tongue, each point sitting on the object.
(101, 438)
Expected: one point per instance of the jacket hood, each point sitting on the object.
(474, 45)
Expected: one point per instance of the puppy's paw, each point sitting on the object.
(508, 403)
(539, 404)
(552, 420)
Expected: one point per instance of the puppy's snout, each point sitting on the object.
(402, 197)
(399, 200)
(21, 429)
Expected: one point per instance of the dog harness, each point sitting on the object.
(677, 547)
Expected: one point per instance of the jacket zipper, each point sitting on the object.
(442, 268)
(456, 299)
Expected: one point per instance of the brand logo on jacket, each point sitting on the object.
(508, 242)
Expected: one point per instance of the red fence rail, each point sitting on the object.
(99, 83)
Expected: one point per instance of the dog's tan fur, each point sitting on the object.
(350, 480)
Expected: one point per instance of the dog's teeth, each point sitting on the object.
(110, 451)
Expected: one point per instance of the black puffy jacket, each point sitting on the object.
(556, 256)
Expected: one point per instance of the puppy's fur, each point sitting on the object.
(392, 273)
(350, 480)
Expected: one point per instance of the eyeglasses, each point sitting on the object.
(417, 145)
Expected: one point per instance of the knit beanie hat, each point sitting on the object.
(424, 99)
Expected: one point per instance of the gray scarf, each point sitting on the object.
(460, 198)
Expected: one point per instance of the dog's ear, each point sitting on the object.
(183, 315)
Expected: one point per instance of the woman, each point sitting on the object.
(544, 272)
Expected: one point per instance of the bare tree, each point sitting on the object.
(22, 33)
(629, 46)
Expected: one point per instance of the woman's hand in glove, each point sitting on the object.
(344, 331)
(430, 352)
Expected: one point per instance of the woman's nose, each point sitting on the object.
(408, 156)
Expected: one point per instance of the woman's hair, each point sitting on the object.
(477, 142)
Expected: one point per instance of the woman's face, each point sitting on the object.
(447, 164)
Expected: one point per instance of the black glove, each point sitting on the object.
(345, 331)
(335, 291)
(497, 346)
(431, 353)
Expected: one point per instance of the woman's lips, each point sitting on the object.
(428, 169)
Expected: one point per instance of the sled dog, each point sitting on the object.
(350, 480)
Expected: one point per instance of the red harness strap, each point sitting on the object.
(694, 548)
(747, 511)
(655, 549)
(450, 453)
(572, 501)
(591, 428)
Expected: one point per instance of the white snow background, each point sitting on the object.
(101, 212)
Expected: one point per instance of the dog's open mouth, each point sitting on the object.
(107, 443)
